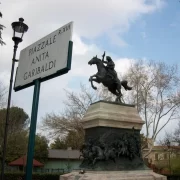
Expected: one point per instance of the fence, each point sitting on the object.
(45, 170)
(40, 170)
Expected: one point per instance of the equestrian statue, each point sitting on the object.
(107, 76)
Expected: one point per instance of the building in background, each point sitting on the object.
(163, 159)
(62, 160)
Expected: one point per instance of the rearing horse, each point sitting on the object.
(114, 86)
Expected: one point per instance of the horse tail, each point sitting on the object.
(125, 85)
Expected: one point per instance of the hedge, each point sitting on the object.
(21, 176)
(48, 176)
(173, 177)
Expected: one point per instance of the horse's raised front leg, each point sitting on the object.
(91, 80)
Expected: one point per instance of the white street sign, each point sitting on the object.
(46, 58)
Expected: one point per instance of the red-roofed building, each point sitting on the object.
(21, 163)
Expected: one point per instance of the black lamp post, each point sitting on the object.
(19, 28)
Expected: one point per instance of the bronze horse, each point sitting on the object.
(114, 86)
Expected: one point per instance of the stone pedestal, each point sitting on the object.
(112, 149)
(114, 175)
(112, 114)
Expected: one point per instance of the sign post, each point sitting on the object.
(32, 132)
(45, 59)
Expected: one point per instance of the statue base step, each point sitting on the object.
(113, 175)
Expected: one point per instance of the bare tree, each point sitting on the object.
(167, 140)
(59, 125)
(3, 92)
(1, 28)
(176, 135)
(155, 93)
(173, 138)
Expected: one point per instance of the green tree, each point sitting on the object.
(41, 148)
(16, 145)
(175, 165)
(74, 139)
(18, 119)
(17, 132)
(58, 144)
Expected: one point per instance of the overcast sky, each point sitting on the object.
(126, 29)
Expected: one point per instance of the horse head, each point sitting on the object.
(94, 60)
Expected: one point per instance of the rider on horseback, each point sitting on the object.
(110, 67)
